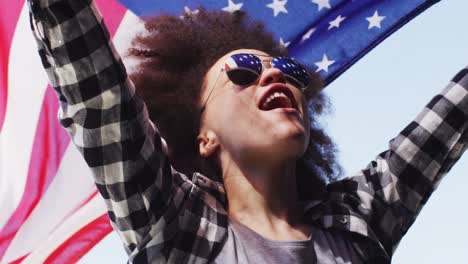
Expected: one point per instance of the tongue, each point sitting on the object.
(278, 102)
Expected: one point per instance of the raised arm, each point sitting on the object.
(391, 191)
(107, 122)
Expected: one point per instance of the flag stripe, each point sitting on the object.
(21, 120)
(81, 242)
(8, 20)
(22, 114)
(67, 229)
(61, 200)
(86, 237)
(49, 145)
(113, 13)
(19, 260)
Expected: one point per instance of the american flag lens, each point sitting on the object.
(244, 69)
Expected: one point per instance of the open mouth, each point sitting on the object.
(277, 97)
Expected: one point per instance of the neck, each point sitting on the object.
(264, 198)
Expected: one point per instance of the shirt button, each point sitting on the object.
(343, 220)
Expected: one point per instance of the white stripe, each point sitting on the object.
(130, 26)
(45, 227)
(72, 185)
(26, 87)
(92, 210)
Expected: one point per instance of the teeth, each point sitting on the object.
(273, 96)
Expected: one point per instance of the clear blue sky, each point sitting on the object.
(372, 102)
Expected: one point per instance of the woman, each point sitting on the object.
(233, 107)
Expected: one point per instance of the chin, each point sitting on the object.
(294, 131)
(293, 141)
(286, 152)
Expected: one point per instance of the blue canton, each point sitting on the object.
(328, 36)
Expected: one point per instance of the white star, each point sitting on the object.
(232, 6)
(324, 64)
(322, 4)
(278, 6)
(284, 44)
(308, 34)
(374, 21)
(336, 22)
(189, 12)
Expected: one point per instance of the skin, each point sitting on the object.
(257, 150)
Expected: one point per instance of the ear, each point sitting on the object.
(207, 143)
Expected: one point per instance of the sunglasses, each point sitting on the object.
(244, 69)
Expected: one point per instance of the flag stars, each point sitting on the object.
(307, 35)
(375, 20)
(278, 6)
(336, 23)
(284, 44)
(321, 4)
(324, 64)
(189, 12)
(232, 7)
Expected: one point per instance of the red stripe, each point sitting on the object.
(81, 242)
(91, 196)
(83, 203)
(113, 13)
(9, 14)
(18, 261)
(49, 144)
(98, 234)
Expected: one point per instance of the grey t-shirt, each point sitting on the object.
(243, 245)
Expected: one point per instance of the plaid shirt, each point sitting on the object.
(163, 216)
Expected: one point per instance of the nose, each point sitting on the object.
(271, 75)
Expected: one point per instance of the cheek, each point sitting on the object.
(237, 110)
(307, 117)
(232, 108)
(240, 123)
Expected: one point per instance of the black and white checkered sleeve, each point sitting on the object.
(394, 187)
(107, 122)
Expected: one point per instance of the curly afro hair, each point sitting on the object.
(175, 53)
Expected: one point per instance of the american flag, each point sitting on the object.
(50, 209)
(327, 35)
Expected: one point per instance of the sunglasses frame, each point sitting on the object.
(302, 86)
